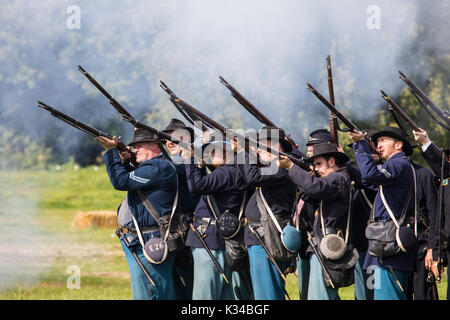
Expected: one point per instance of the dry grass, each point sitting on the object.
(101, 219)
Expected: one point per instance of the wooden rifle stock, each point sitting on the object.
(332, 119)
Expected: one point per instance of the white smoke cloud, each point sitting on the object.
(268, 50)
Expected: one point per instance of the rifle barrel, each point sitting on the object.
(94, 132)
(442, 113)
(332, 108)
(112, 101)
(247, 104)
(399, 110)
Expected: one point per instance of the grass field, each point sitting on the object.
(42, 251)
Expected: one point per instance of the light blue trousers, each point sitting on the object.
(208, 282)
(362, 291)
(317, 289)
(161, 275)
(386, 287)
(266, 281)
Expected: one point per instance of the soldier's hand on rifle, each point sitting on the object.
(284, 162)
(434, 269)
(107, 143)
(125, 155)
(339, 147)
(356, 135)
(429, 260)
(421, 137)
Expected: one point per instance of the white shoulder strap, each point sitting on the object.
(269, 211)
(151, 209)
(347, 228)
(389, 210)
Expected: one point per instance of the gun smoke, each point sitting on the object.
(267, 49)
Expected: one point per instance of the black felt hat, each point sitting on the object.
(266, 133)
(319, 136)
(143, 135)
(328, 149)
(397, 134)
(175, 124)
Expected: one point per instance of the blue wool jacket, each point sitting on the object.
(155, 177)
(396, 177)
(333, 190)
(220, 184)
(277, 189)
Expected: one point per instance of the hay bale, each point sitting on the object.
(101, 219)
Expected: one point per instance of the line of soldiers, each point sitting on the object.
(253, 214)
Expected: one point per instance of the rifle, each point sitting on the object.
(340, 116)
(120, 109)
(86, 128)
(252, 109)
(416, 91)
(161, 135)
(189, 112)
(441, 214)
(112, 101)
(219, 268)
(119, 233)
(319, 257)
(270, 256)
(432, 280)
(395, 109)
(193, 112)
(332, 119)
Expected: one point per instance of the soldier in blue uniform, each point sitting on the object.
(183, 267)
(434, 157)
(156, 178)
(218, 194)
(279, 194)
(362, 201)
(306, 215)
(332, 189)
(395, 178)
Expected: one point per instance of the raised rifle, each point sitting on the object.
(116, 105)
(251, 108)
(112, 101)
(332, 119)
(86, 128)
(395, 109)
(192, 111)
(161, 135)
(340, 116)
(417, 92)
